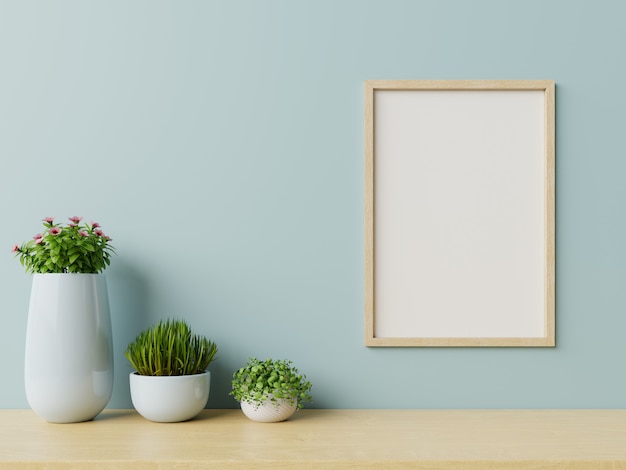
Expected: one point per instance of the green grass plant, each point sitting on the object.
(170, 348)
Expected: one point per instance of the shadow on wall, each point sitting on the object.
(128, 291)
(221, 378)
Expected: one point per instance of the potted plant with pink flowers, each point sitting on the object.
(69, 349)
(74, 248)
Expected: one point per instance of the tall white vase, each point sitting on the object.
(69, 347)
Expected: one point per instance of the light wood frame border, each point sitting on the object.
(548, 87)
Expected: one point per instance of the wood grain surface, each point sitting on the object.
(355, 439)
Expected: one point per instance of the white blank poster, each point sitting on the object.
(459, 214)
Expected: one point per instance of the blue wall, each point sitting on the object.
(220, 144)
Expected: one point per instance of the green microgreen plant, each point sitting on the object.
(258, 382)
(73, 248)
(170, 348)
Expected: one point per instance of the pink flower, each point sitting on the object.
(83, 233)
(100, 233)
(95, 224)
(55, 231)
(75, 219)
(15, 249)
(72, 225)
(39, 240)
(49, 220)
(39, 235)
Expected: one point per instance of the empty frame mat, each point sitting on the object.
(459, 213)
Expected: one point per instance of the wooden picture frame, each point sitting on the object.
(460, 213)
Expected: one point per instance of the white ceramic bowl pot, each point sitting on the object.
(169, 399)
(269, 411)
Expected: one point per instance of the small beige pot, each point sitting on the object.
(269, 411)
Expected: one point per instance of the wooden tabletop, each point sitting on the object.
(355, 439)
